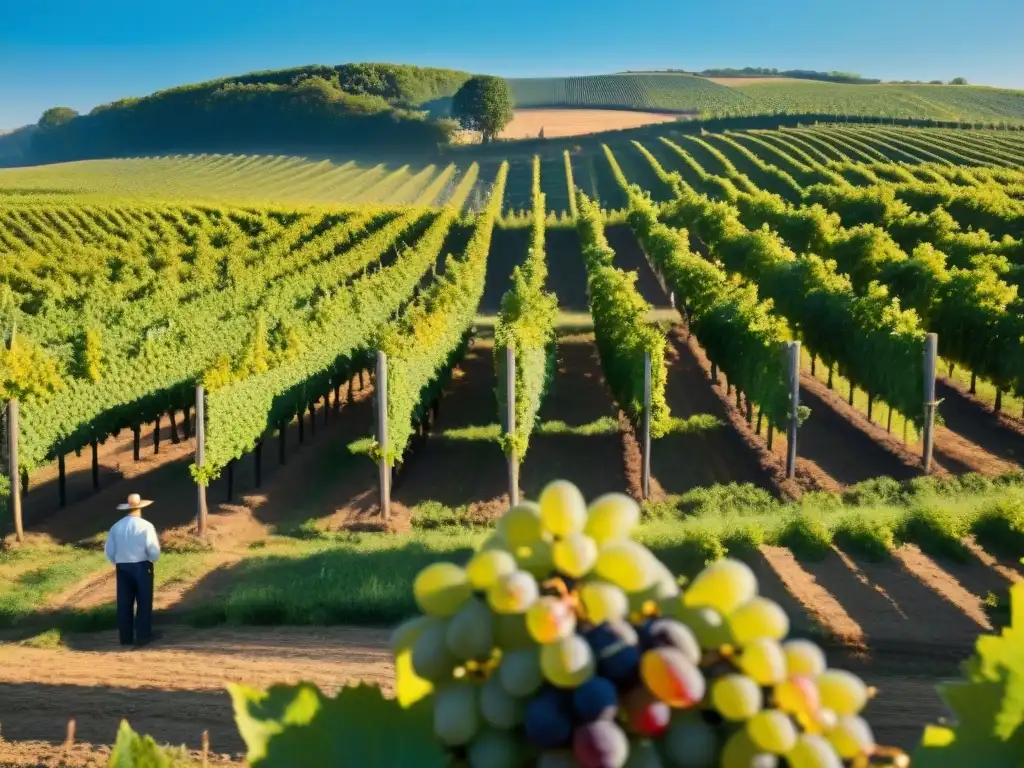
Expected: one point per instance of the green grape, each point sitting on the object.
(611, 516)
(567, 663)
(707, 625)
(813, 751)
(455, 713)
(691, 743)
(724, 585)
(514, 593)
(741, 752)
(736, 697)
(841, 691)
(851, 736)
(520, 674)
(798, 695)
(441, 589)
(563, 510)
(494, 749)
(758, 618)
(575, 555)
(431, 658)
(510, 632)
(772, 731)
(550, 619)
(643, 754)
(603, 602)
(405, 634)
(627, 565)
(488, 566)
(470, 632)
(764, 661)
(499, 708)
(803, 658)
(537, 558)
(520, 526)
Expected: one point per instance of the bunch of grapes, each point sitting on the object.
(563, 642)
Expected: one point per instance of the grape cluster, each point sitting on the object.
(563, 642)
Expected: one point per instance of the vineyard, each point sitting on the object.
(697, 95)
(632, 313)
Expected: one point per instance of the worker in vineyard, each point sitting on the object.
(132, 548)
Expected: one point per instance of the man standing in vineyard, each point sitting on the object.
(132, 548)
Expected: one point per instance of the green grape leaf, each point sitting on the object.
(134, 751)
(290, 726)
(988, 704)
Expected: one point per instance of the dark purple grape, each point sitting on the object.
(596, 699)
(600, 745)
(615, 646)
(548, 719)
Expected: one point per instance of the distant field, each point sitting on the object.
(736, 82)
(575, 122)
(668, 92)
(660, 92)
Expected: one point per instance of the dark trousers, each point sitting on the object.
(134, 602)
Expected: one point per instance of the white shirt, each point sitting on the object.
(132, 540)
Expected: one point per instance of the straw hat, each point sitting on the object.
(135, 502)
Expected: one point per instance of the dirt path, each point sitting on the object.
(567, 276)
(453, 467)
(834, 439)
(508, 250)
(974, 435)
(175, 691)
(577, 397)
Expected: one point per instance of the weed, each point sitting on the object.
(51, 638)
(936, 531)
(871, 539)
(1000, 528)
(807, 537)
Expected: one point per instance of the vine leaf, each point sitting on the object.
(134, 751)
(988, 704)
(291, 726)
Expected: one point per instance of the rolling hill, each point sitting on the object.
(347, 108)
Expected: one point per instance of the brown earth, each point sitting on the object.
(527, 123)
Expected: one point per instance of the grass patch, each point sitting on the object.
(701, 422)
(729, 499)
(606, 425)
(490, 433)
(871, 539)
(938, 532)
(50, 639)
(807, 537)
(1000, 528)
(32, 577)
(434, 514)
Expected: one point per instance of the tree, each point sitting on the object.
(958, 81)
(55, 116)
(483, 104)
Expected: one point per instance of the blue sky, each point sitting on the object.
(81, 53)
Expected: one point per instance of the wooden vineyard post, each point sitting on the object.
(931, 350)
(201, 455)
(510, 423)
(646, 478)
(794, 408)
(381, 395)
(13, 472)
